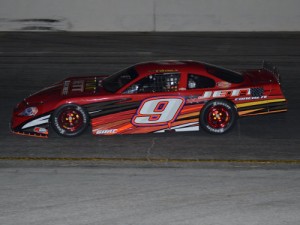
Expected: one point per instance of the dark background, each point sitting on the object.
(30, 61)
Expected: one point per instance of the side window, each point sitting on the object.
(165, 82)
(198, 81)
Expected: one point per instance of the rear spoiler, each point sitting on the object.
(272, 69)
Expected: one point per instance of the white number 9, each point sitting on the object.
(158, 111)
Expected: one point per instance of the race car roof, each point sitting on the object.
(165, 66)
(172, 66)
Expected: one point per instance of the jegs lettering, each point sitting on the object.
(220, 94)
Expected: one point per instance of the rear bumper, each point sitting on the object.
(262, 107)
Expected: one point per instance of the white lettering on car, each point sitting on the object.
(110, 131)
(78, 85)
(220, 94)
(65, 89)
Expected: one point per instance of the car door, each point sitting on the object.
(195, 88)
(159, 102)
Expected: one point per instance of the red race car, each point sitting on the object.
(151, 97)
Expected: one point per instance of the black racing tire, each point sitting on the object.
(69, 120)
(218, 116)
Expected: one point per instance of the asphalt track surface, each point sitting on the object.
(31, 61)
(149, 196)
(248, 176)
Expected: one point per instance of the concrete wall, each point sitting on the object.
(150, 15)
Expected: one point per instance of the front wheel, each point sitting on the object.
(69, 120)
(218, 116)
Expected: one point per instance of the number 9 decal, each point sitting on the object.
(158, 111)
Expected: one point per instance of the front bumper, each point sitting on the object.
(34, 127)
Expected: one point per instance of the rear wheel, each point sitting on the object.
(218, 116)
(69, 120)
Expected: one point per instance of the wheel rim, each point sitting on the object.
(218, 117)
(70, 120)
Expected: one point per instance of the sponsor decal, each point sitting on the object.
(40, 130)
(223, 84)
(78, 85)
(30, 111)
(110, 131)
(91, 85)
(65, 89)
(250, 98)
(163, 71)
(219, 94)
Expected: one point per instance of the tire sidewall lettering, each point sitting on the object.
(56, 124)
(214, 103)
(60, 130)
(222, 103)
(221, 130)
(83, 114)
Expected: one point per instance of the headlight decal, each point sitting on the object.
(30, 111)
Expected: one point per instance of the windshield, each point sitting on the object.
(118, 80)
(224, 74)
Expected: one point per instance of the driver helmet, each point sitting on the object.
(191, 83)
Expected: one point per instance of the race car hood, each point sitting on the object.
(68, 88)
(81, 86)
